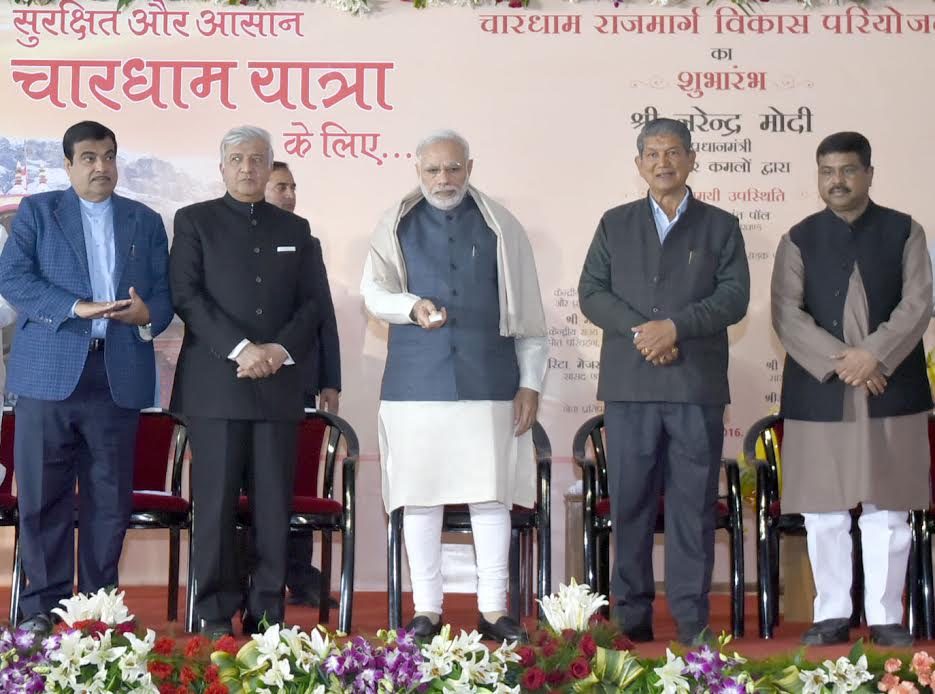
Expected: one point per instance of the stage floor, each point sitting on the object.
(149, 606)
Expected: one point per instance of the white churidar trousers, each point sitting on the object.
(490, 525)
(885, 537)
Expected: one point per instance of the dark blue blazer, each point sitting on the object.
(44, 270)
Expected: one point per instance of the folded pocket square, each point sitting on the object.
(285, 249)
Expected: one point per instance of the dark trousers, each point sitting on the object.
(224, 453)
(672, 449)
(89, 438)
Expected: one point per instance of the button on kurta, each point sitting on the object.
(254, 222)
(259, 312)
(256, 250)
(259, 280)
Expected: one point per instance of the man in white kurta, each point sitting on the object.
(851, 298)
(453, 273)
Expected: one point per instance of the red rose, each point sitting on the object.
(195, 646)
(598, 618)
(167, 689)
(216, 688)
(622, 643)
(549, 649)
(533, 679)
(569, 634)
(527, 656)
(125, 627)
(163, 646)
(540, 636)
(555, 678)
(227, 644)
(160, 670)
(587, 646)
(580, 668)
(211, 673)
(187, 676)
(515, 4)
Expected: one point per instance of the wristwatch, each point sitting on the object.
(146, 332)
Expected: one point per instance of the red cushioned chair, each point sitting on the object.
(524, 522)
(589, 452)
(158, 503)
(315, 508)
(771, 523)
(9, 517)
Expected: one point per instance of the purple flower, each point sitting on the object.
(24, 639)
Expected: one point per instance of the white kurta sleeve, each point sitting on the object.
(895, 338)
(810, 345)
(532, 354)
(393, 307)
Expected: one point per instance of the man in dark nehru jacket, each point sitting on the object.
(851, 298)
(245, 279)
(664, 277)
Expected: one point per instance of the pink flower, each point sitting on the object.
(925, 677)
(893, 665)
(887, 682)
(922, 661)
(905, 688)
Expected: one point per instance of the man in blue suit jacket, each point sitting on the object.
(87, 271)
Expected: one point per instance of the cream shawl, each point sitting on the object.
(521, 311)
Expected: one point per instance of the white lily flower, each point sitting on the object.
(670, 675)
(572, 607)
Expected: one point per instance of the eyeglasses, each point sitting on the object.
(451, 168)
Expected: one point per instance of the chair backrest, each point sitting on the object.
(309, 454)
(767, 431)
(592, 432)
(7, 432)
(154, 440)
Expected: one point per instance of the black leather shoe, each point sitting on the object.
(828, 632)
(215, 629)
(639, 633)
(309, 598)
(422, 628)
(39, 624)
(893, 635)
(504, 629)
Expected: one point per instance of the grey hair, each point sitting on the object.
(245, 133)
(443, 136)
(664, 126)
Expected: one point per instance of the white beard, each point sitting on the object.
(444, 203)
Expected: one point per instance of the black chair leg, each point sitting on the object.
(394, 573)
(324, 601)
(514, 588)
(18, 579)
(603, 572)
(172, 612)
(764, 578)
(775, 561)
(912, 589)
(346, 609)
(926, 579)
(737, 612)
(191, 591)
(857, 584)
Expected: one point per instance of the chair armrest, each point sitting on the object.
(349, 484)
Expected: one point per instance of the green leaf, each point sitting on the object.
(856, 651)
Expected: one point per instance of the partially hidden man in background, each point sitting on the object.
(321, 377)
(453, 274)
(87, 271)
(851, 298)
(664, 277)
(245, 278)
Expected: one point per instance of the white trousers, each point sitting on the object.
(490, 524)
(885, 538)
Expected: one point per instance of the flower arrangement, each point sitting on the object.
(97, 648)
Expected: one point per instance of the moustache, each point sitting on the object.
(840, 189)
